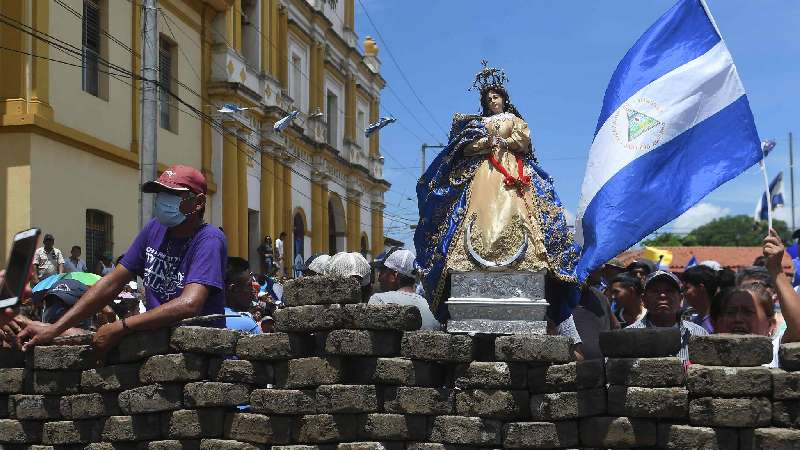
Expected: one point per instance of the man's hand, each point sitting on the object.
(107, 337)
(773, 251)
(37, 333)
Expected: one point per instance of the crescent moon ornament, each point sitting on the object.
(493, 265)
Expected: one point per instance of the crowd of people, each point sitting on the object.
(187, 278)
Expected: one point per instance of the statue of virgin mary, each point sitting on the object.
(485, 204)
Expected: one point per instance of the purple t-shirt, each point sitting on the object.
(168, 264)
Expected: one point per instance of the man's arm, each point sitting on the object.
(789, 300)
(98, 296)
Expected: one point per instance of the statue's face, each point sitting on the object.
(495, 101)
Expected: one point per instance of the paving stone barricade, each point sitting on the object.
(348, 376)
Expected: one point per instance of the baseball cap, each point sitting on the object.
(662, 275)
(401, 261)
(178, 178)
(319, 263)
(345, 265)
(68, 292)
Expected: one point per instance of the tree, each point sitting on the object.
(729, 231)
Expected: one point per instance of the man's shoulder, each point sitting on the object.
(693, 328)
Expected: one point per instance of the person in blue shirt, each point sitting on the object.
(239, 296)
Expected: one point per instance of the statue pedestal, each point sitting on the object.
(497, 303)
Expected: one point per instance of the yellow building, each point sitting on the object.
(70, 121)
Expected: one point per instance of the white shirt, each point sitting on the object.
(279, 248)
(776, 346)
(411, 299)
(70, 266)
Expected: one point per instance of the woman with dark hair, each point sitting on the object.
(485, 203)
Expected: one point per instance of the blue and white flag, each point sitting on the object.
(285, 122)
(382, 122)
(692, 262)
(675, 124)
(775, 195)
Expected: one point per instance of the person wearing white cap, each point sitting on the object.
(352, 265)
(397, 278)
(317, 265)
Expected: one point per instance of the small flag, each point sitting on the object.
(662, 257)
(692, 262)
(776, 198)
(285, 122)
(228, 108)
(675, 124)
(373, 127)
(793, 252)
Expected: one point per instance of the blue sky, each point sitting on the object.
(559, 56)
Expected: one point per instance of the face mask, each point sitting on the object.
(167, 209)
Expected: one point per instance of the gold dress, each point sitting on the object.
(500, 215)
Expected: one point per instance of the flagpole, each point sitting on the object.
(763, 167)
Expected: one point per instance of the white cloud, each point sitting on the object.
(699, 214)
(569, 217)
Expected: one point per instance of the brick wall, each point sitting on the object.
(347, 376)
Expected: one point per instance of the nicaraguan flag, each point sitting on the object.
(692, 262)
(674, 125)
(775, 195)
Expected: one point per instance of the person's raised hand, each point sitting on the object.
(773, 249)
(37, 333)
(107, 337)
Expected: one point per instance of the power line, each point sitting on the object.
(399, 69)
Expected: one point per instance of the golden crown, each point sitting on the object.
(489, 77)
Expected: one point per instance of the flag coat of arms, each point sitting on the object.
(674, 125)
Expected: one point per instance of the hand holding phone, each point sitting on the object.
(18, 270)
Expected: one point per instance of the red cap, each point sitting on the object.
(178, 178)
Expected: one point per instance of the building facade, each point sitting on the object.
(70, 121)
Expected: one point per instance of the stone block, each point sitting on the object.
(259, 373)
(418, 400)
(389, 317)
(362, 343)
(786, 413)
(209, 394)
(63, 357)
(488, 375)
(437, 346)
(311, 318)
(308, 372)
(174, 367)
(142, 427)
(211, 341)
(33, 407)
(789, 356)
(56, 382)
(140, 345)
(71, 432)
(170, 444)
(83, 406)
(500, 404)
(304, 447)
(4, 409)
(111, 378)
(465, 431)
(718, 381)
(395, 371)
(568, 405)
(617, 432)
(730, 412)
(645, 372)
(12, 381)
(574, 376)
(257, 428)
(341, 398)
(115, 446)
(20, 431)
(321, 290)
(534, 348)
(661, 403)
(371, 446)
(786, 385)
(193, 423)
(228, 444)
(540, 434)
(324, 428)
(392, 427)
(281, 401)
(640, 342)
(151, 398)
(680, 437)
(274, 346)
(769, 438)
(734, 350)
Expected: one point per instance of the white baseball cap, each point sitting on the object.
(345, 265)
(402, 261)
(320, 264)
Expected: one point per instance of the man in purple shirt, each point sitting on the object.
(180, 258)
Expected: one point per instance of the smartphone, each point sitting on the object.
(18, 270)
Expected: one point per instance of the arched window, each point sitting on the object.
(99, 236)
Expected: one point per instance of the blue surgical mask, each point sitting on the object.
(168, 209)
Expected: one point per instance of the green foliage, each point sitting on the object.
(729, 231)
